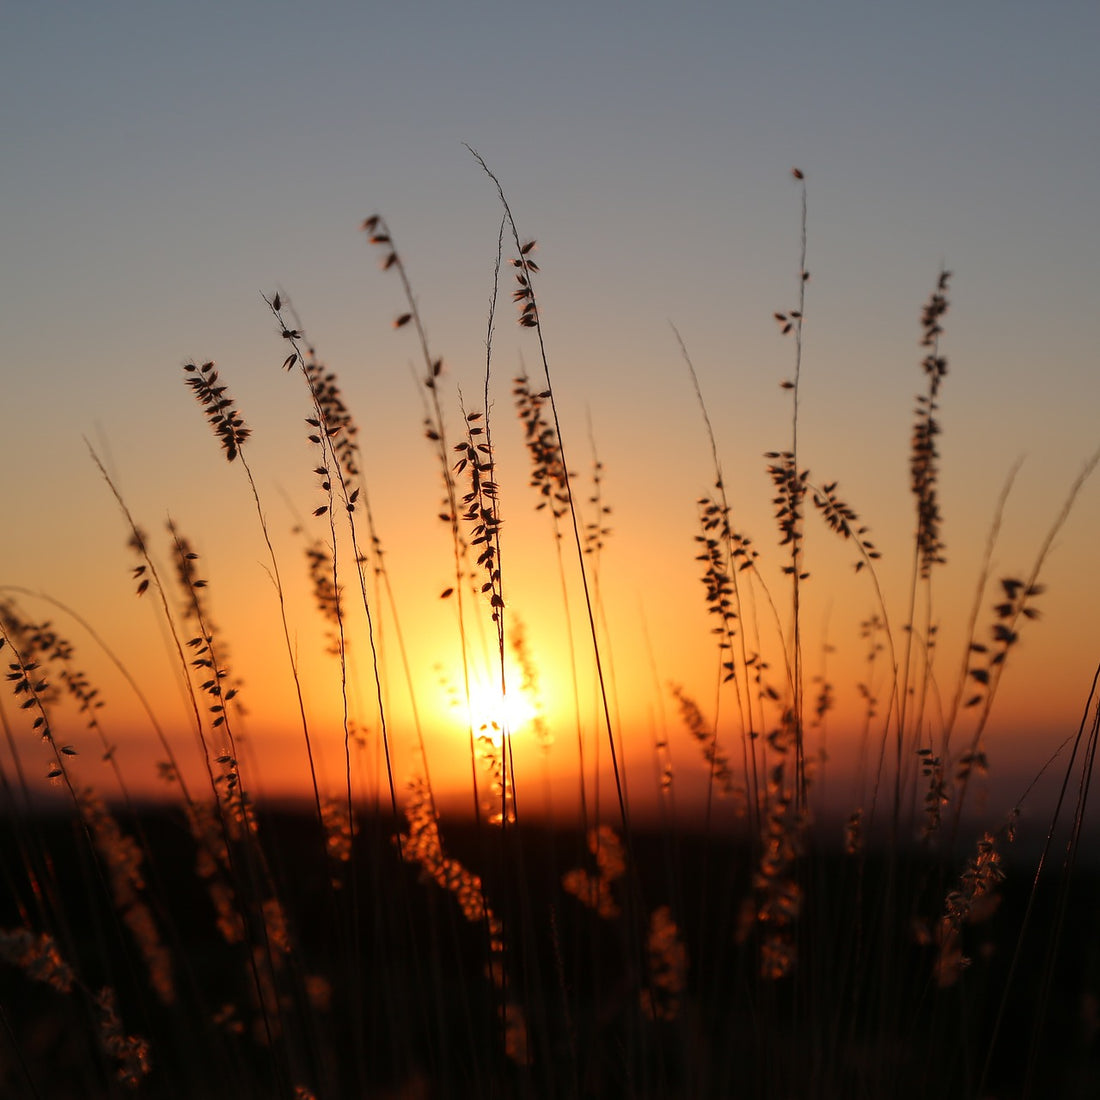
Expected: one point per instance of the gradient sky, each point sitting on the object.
(165, 164)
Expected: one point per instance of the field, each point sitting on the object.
(736, 916)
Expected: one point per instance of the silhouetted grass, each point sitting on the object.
(360, 945)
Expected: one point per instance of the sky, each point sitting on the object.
(166, 165)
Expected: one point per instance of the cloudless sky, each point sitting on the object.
(165, 164)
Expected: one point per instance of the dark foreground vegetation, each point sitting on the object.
(401, 1005)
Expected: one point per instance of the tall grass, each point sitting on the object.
(361, 945)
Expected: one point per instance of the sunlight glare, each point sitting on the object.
(492, 711)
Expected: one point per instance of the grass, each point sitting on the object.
(360, 944)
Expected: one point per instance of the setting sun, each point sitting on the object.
(493, 712)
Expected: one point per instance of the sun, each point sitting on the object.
(493, 712)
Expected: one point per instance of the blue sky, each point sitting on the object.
(165, 164)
